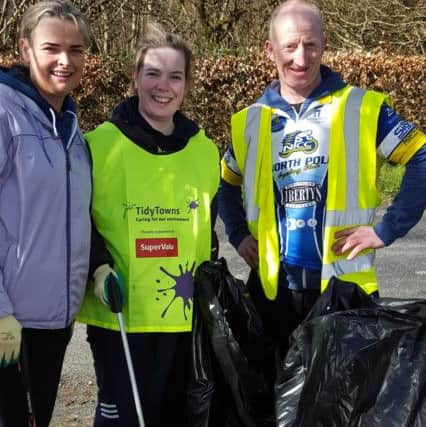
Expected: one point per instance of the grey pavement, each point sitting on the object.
(401, 269)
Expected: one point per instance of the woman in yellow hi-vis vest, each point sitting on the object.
(155, 177)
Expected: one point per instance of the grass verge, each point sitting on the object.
(389, 182)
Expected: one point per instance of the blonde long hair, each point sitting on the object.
(61, 9)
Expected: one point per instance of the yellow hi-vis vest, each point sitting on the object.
(153, 211)
(352, 196)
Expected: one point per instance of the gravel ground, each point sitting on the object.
(401, 269)
(77, 391)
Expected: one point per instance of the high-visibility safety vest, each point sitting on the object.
(352, 197)
(153, 211)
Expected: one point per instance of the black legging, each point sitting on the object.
(43, 359)
(161, 364)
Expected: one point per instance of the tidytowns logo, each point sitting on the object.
(299, 141)
(149, 211)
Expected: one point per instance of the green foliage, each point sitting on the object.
(389, 181)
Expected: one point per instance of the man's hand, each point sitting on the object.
(10, 341)
(101, 289)
(248, 250)
(356, 240)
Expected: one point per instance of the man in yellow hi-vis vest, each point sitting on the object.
(306, 156)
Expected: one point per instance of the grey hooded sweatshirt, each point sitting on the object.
(45, 191)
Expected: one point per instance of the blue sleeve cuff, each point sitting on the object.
(231, 211)
(385, 233)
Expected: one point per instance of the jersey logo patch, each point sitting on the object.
(278, 123)
(402, 130)
(299, 141)
(300, 194)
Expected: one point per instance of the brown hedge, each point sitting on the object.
(226, 84)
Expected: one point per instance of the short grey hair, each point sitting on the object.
(287, 4)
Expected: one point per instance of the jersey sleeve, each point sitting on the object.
(402, 143)
(397, 139)
(231, 173)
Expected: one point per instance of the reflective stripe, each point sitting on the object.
(251, 133)
(109, 405)
(343, 266)
(351, 143)
(109, 410)
(354, 216)
(110, 417)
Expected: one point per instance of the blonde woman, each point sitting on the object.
(45, 191)
(155, 177)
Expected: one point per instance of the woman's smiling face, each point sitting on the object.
(160, 85)
(55, 57)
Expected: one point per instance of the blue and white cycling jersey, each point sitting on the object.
(300, 158)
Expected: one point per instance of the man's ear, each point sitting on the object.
(269, 50)
(24, 47)
(325, 43)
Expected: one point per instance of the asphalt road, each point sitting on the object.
(402, 274)
(401, 267)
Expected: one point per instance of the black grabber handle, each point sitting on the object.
(114, 294)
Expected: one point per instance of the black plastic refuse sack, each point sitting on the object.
(227, 387)
(356, 361)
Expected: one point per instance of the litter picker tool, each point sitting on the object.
(116, 305)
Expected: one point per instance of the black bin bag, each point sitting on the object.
(355, 361)
(227, 387)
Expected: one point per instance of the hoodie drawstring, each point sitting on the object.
(52, 113)
(74, 129)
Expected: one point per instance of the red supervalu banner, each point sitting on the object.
(156, 248)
